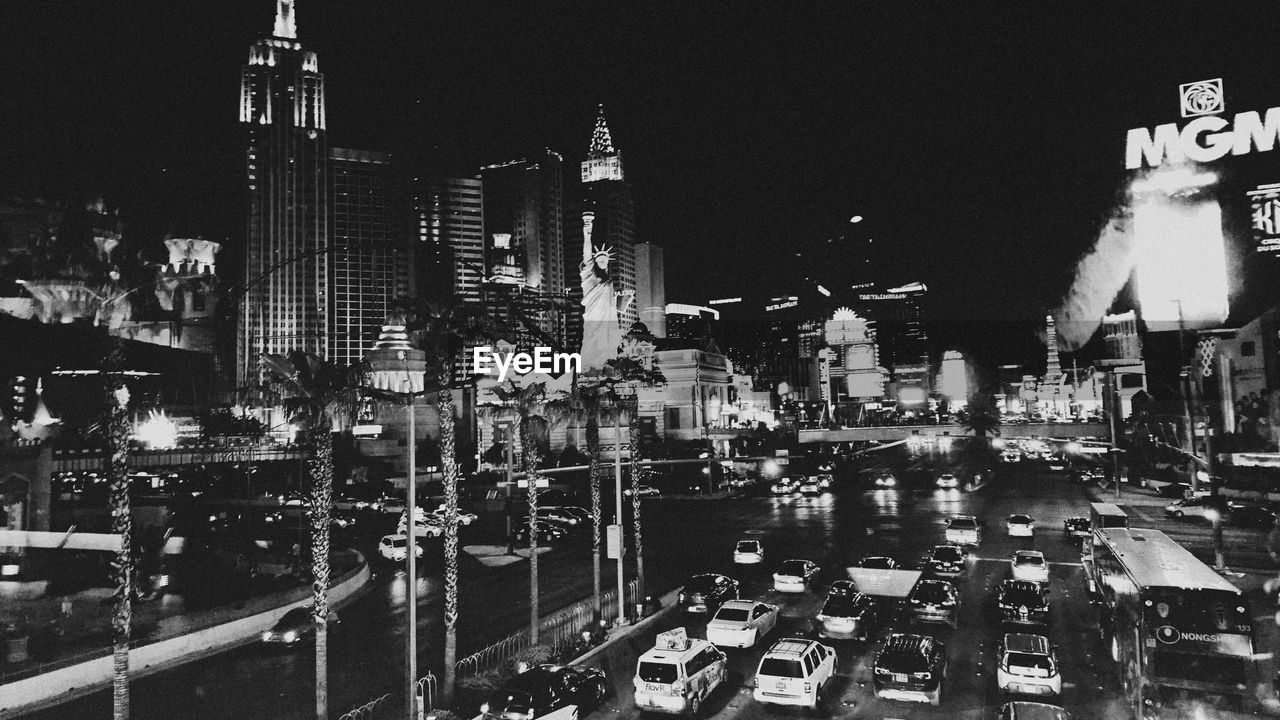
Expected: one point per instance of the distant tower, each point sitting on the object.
(609, 197)
(1053, 369)
(282, 111)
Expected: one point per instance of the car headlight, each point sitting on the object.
(290, 636)
(266, 635)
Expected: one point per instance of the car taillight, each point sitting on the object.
(677, 688)
(808, 688)
(882, 671)
(921, 675)
(755, 682)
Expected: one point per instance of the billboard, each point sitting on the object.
(1264, 205)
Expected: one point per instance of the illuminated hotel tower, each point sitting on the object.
(609, 196)
(286, 304)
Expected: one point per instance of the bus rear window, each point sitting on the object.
(1201, 668)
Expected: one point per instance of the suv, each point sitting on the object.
(964, 530)
(794, 672)
(1022, 601)
(678, 674)
(707, 592)
(910, 667)
(1028, 665)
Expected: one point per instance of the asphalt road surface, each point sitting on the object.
(687, 536)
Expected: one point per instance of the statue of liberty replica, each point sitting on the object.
(602, 303)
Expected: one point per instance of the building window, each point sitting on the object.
(673, 418)
(1247, 349)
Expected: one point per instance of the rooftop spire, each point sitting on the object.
(601, 141)
(285, 27)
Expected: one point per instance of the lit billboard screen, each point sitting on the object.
(1181, 261)
(1264, 203)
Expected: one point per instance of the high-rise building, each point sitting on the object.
(608, 195)
(1121, 334)
(369, 265)
(286, 302)
(448, 224)
(690, 322)
(651, 288)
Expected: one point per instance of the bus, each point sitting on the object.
(1103, 516)
(1181, 635)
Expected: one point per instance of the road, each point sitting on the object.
(683, 537)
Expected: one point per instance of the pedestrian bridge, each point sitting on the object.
(890, 433)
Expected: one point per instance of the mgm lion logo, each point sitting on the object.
(1201, 98)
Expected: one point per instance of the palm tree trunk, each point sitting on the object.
(633, 447)
(122, 526)
(321, 513)
(448, 450)
(593, 450)
(530, 452)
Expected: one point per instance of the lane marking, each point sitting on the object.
(1006, 561)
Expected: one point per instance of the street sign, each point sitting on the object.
(541, 484)
(613, 541)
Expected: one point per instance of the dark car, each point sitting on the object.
(1176, 491)
(910, 667)
(1254, 516)
(878, 562)
(294, 627)
(847, 617)
(934, 601)
(842, 587)
(548, 532)
(1026, 710)
(1077, 527)
(945, 561)
(544, 689)
(705, 593)
(1022, 601)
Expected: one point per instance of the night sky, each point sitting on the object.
(982, 142)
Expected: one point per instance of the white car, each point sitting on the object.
(1030, 565)
(947, 481)
(392, 547)
(1028, 666)
(1021, 526)
(429, 527)
(464, 518)
(739, 623)
(748, 552)
(963, 530)
(886, 480)
(795, 671)
(785, 486)
(794, 575)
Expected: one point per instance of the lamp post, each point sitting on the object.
(399, 369)
(617, 516)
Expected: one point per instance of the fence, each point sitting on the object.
(559, 631)
(372, 710)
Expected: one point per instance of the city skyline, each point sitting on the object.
(725, 159)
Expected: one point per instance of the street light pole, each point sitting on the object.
(411, 560)
(617, 510)
(511, 438)
(1112, 396)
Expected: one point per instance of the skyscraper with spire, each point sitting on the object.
(286, 303)
(608, 195)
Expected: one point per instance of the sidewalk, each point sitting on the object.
(67, 629)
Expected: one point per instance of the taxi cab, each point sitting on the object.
(678, 673)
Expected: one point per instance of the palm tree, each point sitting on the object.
(635, 375)
(443, 330)
(116, 427)
(981, 416)
(315, 393)
(527, 402)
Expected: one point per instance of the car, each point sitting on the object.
(748, 552)
(851, 616)
(464, 518)
(784, 486)
(963, 530)
(1025, 710)
(878, 562)
(1057, 463)
(555, 514)
(582, 514)
(544, 690)
(1027, 665)
(810, 486)
(343, 520)
(910, 667)
(795, 671)
(293, 498)
(1011, 455)
(1077, 527)
(1030, 565)
(825, 480)
(292, 627)
(1021, 525)
(738, 481)
(643, 490)
(794, 575)
(886, 480)
(1177, 491)
(740, 623)
(945, 561)
(678, 674)
(1255, 516)
(355, 503)
(934, 601)
(427, 527)
(392, 547)
(947, 481)
(842, 587)
(1198, 507)
(548, 532)
(1022, 601)
(705, 593)
(1088, 475)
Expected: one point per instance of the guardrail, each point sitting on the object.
(559, 630)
